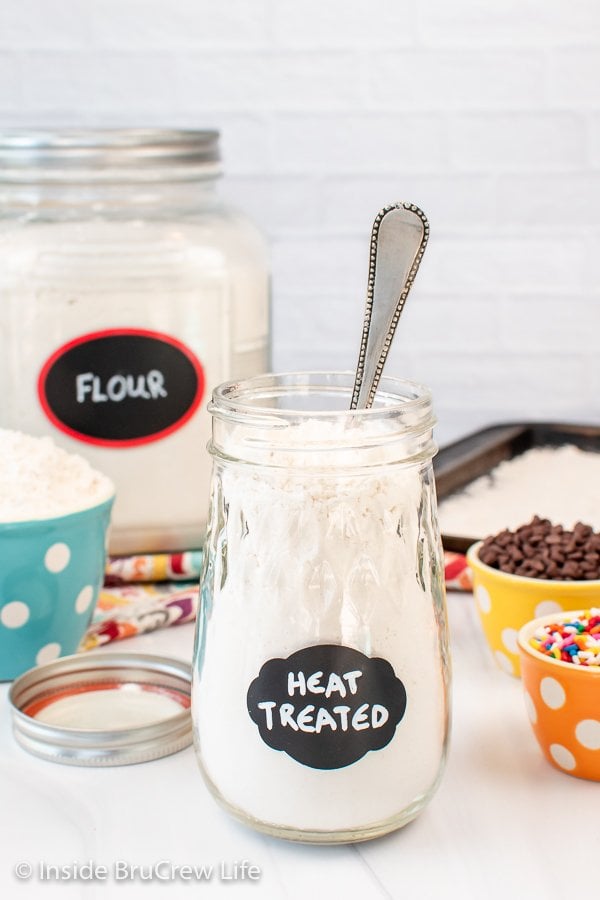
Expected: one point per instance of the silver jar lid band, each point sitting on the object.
(95, 151)
(74, 710)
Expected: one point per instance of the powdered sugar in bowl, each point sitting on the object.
(54, 517)
(321, 676)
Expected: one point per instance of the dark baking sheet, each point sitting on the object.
(461, 462)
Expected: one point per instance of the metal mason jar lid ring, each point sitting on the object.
(103, 709)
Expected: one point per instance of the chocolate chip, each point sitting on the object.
(540, 549)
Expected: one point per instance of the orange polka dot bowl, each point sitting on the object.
(563, 703)
(506, 602)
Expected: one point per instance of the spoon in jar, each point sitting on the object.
(398, 240)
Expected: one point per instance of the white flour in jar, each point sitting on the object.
(38, 480)
(314, 558)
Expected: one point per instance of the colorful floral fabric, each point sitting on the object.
(137, 608)
(153, 567)
(457, 573)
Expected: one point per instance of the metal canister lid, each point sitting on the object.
(103, 709)
(109, 154)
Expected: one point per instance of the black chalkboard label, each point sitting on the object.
(326, 706)
(121, 387)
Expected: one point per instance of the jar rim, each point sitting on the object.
(394, 395)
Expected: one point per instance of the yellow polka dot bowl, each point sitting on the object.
(506, 602)
(51, 571)
(563, 704)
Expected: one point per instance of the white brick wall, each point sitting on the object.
(485, 114)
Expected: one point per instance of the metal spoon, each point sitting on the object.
(398, 240)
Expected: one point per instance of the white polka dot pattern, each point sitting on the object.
(547, 608)
(587, 733)
(483, 598)
(14, 614)
(509, 639)
(530, 707)
(562, 757)
(84, 598)
(47, 653)
(553, 693)
(57, 558)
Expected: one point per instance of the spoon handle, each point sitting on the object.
(398, 240)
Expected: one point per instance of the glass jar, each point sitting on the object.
(127, 291)
(321, 673)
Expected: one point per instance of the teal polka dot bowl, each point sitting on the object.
(51, 571)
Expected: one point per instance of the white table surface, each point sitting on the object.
(503, 824)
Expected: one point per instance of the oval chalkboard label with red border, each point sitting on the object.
(121, 387)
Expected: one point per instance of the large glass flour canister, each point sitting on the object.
(321, 673)
(127, 292)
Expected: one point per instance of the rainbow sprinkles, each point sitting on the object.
(576, 641)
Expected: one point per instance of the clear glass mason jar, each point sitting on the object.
(128, 290)
(321, 673)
